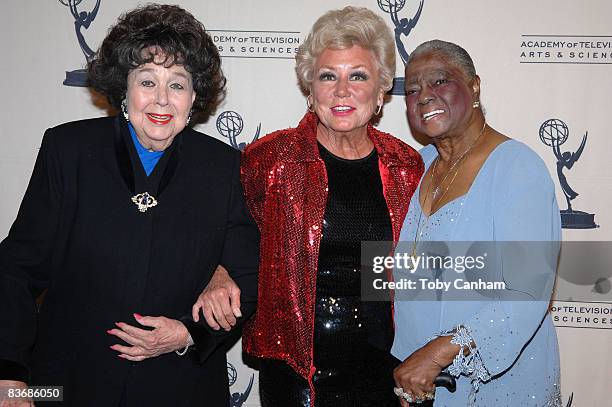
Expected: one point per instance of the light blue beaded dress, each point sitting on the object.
(516, 358)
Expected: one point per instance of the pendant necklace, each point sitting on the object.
(455, 167)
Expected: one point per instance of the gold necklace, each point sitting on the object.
(436, 190)
(458, 163)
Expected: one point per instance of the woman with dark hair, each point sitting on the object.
(483, 195)
(120, 227)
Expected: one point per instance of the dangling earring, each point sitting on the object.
(476, 104)
(309, 104)
(189, 117)
(124, 110)
(378, 110)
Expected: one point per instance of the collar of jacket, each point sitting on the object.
(305, 149)
(131, 169)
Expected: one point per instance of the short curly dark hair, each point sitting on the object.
(164, 30)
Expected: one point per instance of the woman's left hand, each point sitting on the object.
(167, 336)
(417, 373)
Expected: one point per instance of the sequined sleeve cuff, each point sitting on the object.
(470, 364)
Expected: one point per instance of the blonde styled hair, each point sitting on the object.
(342, 29)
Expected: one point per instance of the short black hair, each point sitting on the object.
(152, 30)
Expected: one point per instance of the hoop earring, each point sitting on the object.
(378, 110)
(476, 104)
(309, 104)
(189, 117)
(124, 110)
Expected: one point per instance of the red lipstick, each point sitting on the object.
(161, 119)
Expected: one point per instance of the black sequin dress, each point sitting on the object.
(352, 339)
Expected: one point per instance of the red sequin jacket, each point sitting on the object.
(285, 185)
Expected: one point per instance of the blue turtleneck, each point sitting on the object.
(148, 158)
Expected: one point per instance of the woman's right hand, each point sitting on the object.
(219, 301)
(7, 402)
(417, 374)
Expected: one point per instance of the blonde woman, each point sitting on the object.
(316, 192)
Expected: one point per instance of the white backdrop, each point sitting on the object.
(537, 61)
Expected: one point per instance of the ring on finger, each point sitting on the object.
(399, 392)
(430, 395)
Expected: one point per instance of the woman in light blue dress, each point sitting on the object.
(479, 186)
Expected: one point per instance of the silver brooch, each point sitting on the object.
(144, 201)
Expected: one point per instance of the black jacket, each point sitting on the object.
(79, 235)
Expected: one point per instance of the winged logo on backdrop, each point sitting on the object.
(230, 125)
(82, 21)
(403, 27)
(237, 399)
(554, 133)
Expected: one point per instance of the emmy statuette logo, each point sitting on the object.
(230, 125)
(403, 27)
(82, 20)
(554, 133)
(237, 399)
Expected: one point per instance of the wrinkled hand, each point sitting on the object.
(417, 373)
(169, 335)
(6, 402)
(219, 301)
